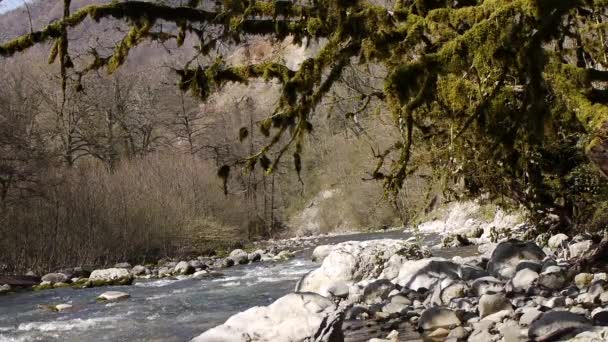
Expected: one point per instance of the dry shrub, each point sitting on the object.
(161, 205)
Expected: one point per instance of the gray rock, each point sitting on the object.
(529, 316)
(489, 304)
(437, 317)
(508, 254)
(555, 325)
(294, 317)
(377, 291)
(530, 265)
(139, 270)
(458, 334)
(55, 278)
(183, 268)
(553, 278)
(227, 262)
(165, 272)
(579, 248)
(523, 279)
(239, 256)
(555, 302)
(123, 265)
(338, 289)
(485, 285)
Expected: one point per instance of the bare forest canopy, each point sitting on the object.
(501, 97)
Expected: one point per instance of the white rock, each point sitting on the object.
(113, 295)
(558, 241)
(530, 314)
(112, 276)
(583, 279)
(437, 317)
(294, 317)
(320, 252)
(63, 307)
(524, 279)
(489, 304)
(239, 256)
(580, 248)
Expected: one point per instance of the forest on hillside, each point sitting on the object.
(137, 129)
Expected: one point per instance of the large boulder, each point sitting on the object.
(353, 261)
(239, 256)
(426, 273)
(554, 325)
(508, 254)
(183, 268)
(296, 317)
(320, 252)
(110, 276)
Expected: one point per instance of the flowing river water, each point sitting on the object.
(162, 310)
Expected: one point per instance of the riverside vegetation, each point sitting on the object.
(277, 118)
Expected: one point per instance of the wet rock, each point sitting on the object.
(600, 316)
(110, 276)
(489, 304)
(255, 256)
(284, 256)
(437, 317)
(294, 317)
(227, 262)
(239, 256)
(4, 289)
(183, 268)
(554, 325)
(508, 254)
(55, 278)
(62, 307)
(113, 296)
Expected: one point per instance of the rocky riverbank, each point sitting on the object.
(514, 291)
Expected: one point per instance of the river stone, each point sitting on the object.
(320, 252)
(239, 256)
(583, 279)
(555, 325)
(426, 273)
(55, 278)
(530, 265)
(255, 256)
(485, 285)
(437, 317)
(123, 265)
(523, 279)
(183, 268)
(113, 295)
(529, 316)
(296, 317)
(63, 307)
(508, 254)
(139, 270)
(558, 241)
(492, 303)
(338, 289)
(579, 248)
(111, 276)
(553, 278)
(600, 316)
(377, 291)
(5, 289)
(352, 262)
